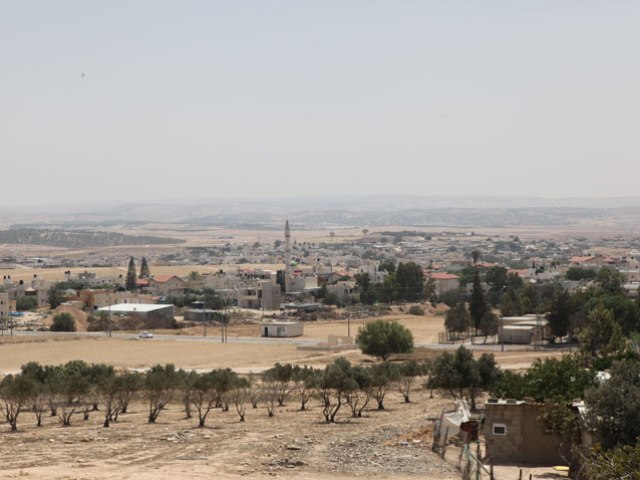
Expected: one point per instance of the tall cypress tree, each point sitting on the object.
(144, 269)
(131, 275)
(477, 304)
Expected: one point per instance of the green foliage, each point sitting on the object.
(457, 319)
(63, 322)
(601, 340)
(511, 304)
(621, 462)
(452, 297)
(144, 268)
(331, 299)
(78, 238)
(579, 273)
(489, 323)
(410, 282)
(559, 315)
(26, 303)
(416, 310)
(382, 339)
(477, 304)
(15, 392)
(614, 406)
(160, 383)
(130, 281)
(55, 297)
(408, 372)
(461, 375)
(610, 280)
(559, 380)
(388, 266)
(625, 311)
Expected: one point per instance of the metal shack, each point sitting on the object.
(281, 329)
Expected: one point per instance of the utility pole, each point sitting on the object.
(204, 317)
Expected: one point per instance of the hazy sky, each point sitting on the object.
(142, 100)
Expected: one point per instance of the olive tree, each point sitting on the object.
(382, 339)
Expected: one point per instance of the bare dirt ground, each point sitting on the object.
(394, 443)
(293, 444)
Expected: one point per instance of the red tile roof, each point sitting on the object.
(442, 276)
(163, 278)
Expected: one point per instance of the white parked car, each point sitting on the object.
(146, 335)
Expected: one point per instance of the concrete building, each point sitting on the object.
(281, 329)
(524, 330)
(515, 434)
(150, 312)
(444, 281)
(5, 308)
(166, 285)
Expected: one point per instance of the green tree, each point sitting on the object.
(621, 462)
(26, 303)
(601, 340)
(160, 384)
(382, 339)
(203, 396)
(477, 304)
(511, 303)
(610, 280)
(15, 391)
(614, 407)
(331, 385)
(457, 319)
(462, 376)
(367, 292)
(55, 296)
(63, 322)
(130, 282)
(489, 324)
(559, 315)
(388, 266)
(408, 372)
(144, 269)
(496, 277)
(383, 377)
(410, 282)
(559, 380)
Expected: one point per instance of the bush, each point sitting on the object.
(416, 310)
(63, 322)
(382, 339)
(26, 303)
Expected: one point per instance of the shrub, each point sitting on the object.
(382, 339)
(416, 310)
(63, 322)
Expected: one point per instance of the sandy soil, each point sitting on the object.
(293, 444)
(139, 354)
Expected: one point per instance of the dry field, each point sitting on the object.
(383, 444)
(389, 444)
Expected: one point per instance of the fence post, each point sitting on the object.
(520, 476)
(491, 469)
(444, 442)
(478, 464)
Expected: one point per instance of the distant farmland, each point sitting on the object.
(78, 238)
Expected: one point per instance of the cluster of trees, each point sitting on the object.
(612, 401)
(132, 276)
(78, 388)
(403, 283)
(463, 376)
(78, 238)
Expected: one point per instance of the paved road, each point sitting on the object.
(215, 338)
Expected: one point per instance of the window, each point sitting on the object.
(499, 429)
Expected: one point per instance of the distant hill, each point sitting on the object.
(346, 211)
